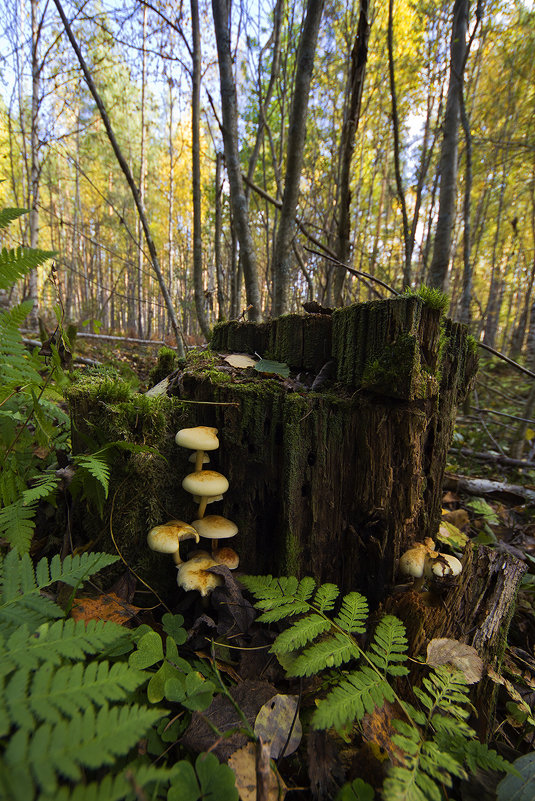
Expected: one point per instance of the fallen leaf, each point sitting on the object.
(240, 360)
(459, 517)
(278, 723)
(451, 535)
(450, 497)
(106, 607)
(268, 367)
(378, 731)
(444, 651)
(243, 763)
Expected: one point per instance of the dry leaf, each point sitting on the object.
(451, 535)
(278, 723)
(378, 731)
(243, 763)
(443, 651)
(459, 517)
(450, 497)
(106, 607)
(240, 360)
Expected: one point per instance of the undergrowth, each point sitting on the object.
(433, 743)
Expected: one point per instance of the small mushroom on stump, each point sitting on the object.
(206, 484)
(215, 527)
(166, 538)
(198, 439)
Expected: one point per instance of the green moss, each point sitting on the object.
(433, 298)
(397, 371)
(472, 347)
(99, 384)
(292, 555)
(165, 365)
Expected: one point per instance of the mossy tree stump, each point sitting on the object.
(332, 483)
(335, 483)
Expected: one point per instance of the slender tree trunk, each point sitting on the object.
(282, 255)
(196, 170)
(171, 198)
(438, 274)
(229, 108)
(217, 239)
(397, 160)
(142, 179)
(357, 74)
(129, 178)
(34, 151)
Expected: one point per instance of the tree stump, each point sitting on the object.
(334, 483)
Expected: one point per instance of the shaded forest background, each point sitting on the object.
(396, 90)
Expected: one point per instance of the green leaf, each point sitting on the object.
(209, 781)
(353, 613)
(357, 790)
(149, 651)
(172, 625)
(300, 633)
(518, 786)
(277, 368)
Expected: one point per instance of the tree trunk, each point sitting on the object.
(229, 110)
(130, 180)
(141, 184)
(34, 151)
(282, 254)
(217, 239)
(397, 160)
(200, 299)
(357, 74)
(438, 275)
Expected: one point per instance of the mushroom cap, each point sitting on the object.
(228, 557)
(194, 575)
(210, 499)
(199, 554)
(205, 458)
(166, 537)
(215, 527)
(205, 483)
(200, 438)
(443, 565)
(412, 562)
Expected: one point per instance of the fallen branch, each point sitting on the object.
(120, 339)
(496, 458)
(483, 486)
(36, 343)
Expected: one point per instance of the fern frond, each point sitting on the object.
(8, 215)
(17, 525)
(325, 597)
(359, 693)
(300, 633)
(389, 646)
(447, 690)
(63, 639)
(97, 466)
(42, 487)
(20, 585)
(52, 694)
(328, 653)
(91, 740)
(16, 262)
(353, 613)
(112, 788)
(282, 610)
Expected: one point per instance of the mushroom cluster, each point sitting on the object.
(206, 486)
(422, 562)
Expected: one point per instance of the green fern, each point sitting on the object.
(7, 216)
(436, 742)
(16, 262)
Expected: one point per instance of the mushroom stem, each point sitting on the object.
(202, 506)
(199, 459)
(176, 558)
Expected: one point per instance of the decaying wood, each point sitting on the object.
(496, 458)
(476, 610)
(484, 486)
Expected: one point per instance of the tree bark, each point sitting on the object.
(438, 274)
(34, 153)
(357, 74)
(196, 170)
(217, 239)
(282, 254)
(397, 163)
(129, 178)
(229, 110)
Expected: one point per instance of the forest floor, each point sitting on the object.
(501, 519)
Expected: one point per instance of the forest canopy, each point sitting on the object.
(404, 103)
